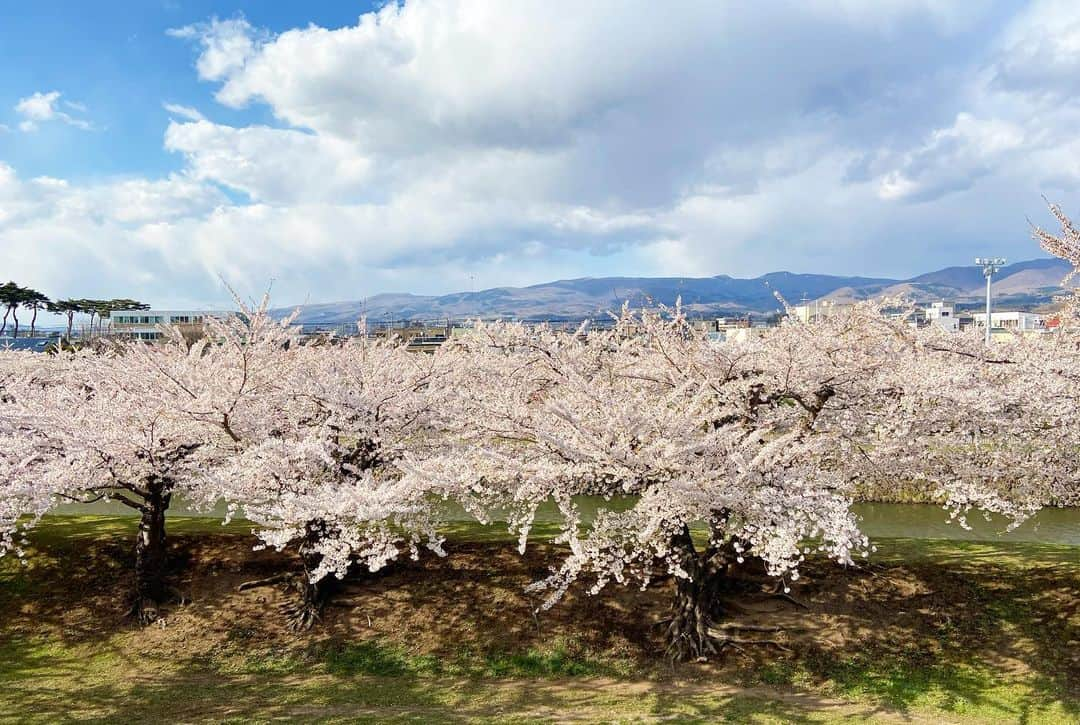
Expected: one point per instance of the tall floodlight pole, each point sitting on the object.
(991, 266)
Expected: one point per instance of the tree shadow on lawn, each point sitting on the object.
(193, 695)
(968, 634)
(951, 629)
(474, 603)
(243, 700)
(969, 630)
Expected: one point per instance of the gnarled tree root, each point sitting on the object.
(708, 638)
(146, 610)
(736, 627)
(306, 610)
(268, 581)
(778, 592)
(300, 616)
(721, 634)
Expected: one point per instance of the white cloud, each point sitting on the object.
(429, 77)
(434, 141)
(38, 107)
(953, 158)
(55, 232)
(41, 107)
(1018, 112)
(186, 112)
(272, 165)
(225, 45)
(1039, 51)
(601, 105)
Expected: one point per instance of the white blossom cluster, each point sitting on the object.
(132, 422)
(763, 443)
(325, 471)
(348, 449)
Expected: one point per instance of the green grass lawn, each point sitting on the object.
(1015, 597)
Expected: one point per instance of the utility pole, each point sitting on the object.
(990, 266)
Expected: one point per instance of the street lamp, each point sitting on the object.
(990, 266)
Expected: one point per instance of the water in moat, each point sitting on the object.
(920, 521)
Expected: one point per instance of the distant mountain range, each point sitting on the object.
(1024, 285)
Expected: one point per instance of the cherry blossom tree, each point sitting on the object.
(994, 421)
(135, 423)
(300, 439)
(323, 474)
(715, 463)
(1065, 245)
(22, 500)
(1000, 416)
(761, 442)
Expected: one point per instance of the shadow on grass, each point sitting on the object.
(938, 624)
(386, 659)
(960, 628)
(193, 694)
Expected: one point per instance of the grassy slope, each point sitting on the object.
(52, 674)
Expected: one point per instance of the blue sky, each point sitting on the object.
(115, 58)
(336, 150)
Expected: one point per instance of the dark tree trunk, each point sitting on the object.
(307, 610)
(7, 311)
(33, 322)
(695, 605)
(700, 624)
(15, 319)
(151, 554)
(71, 321)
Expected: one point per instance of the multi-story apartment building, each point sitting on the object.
(143, 324)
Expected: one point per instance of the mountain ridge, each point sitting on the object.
(1028, 284)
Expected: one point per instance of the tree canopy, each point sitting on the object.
(715, 464)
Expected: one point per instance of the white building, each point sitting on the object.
(817, 310)
(1019, 321)
(143, 324)
(943, 315)
(743, 334)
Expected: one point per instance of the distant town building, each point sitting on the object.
(817, 310)
(1011, 321)
(943, 315)
(732, 323)
(721, 324)
(143, 324)
(742, 334)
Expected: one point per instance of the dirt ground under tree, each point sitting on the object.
(886, 632)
